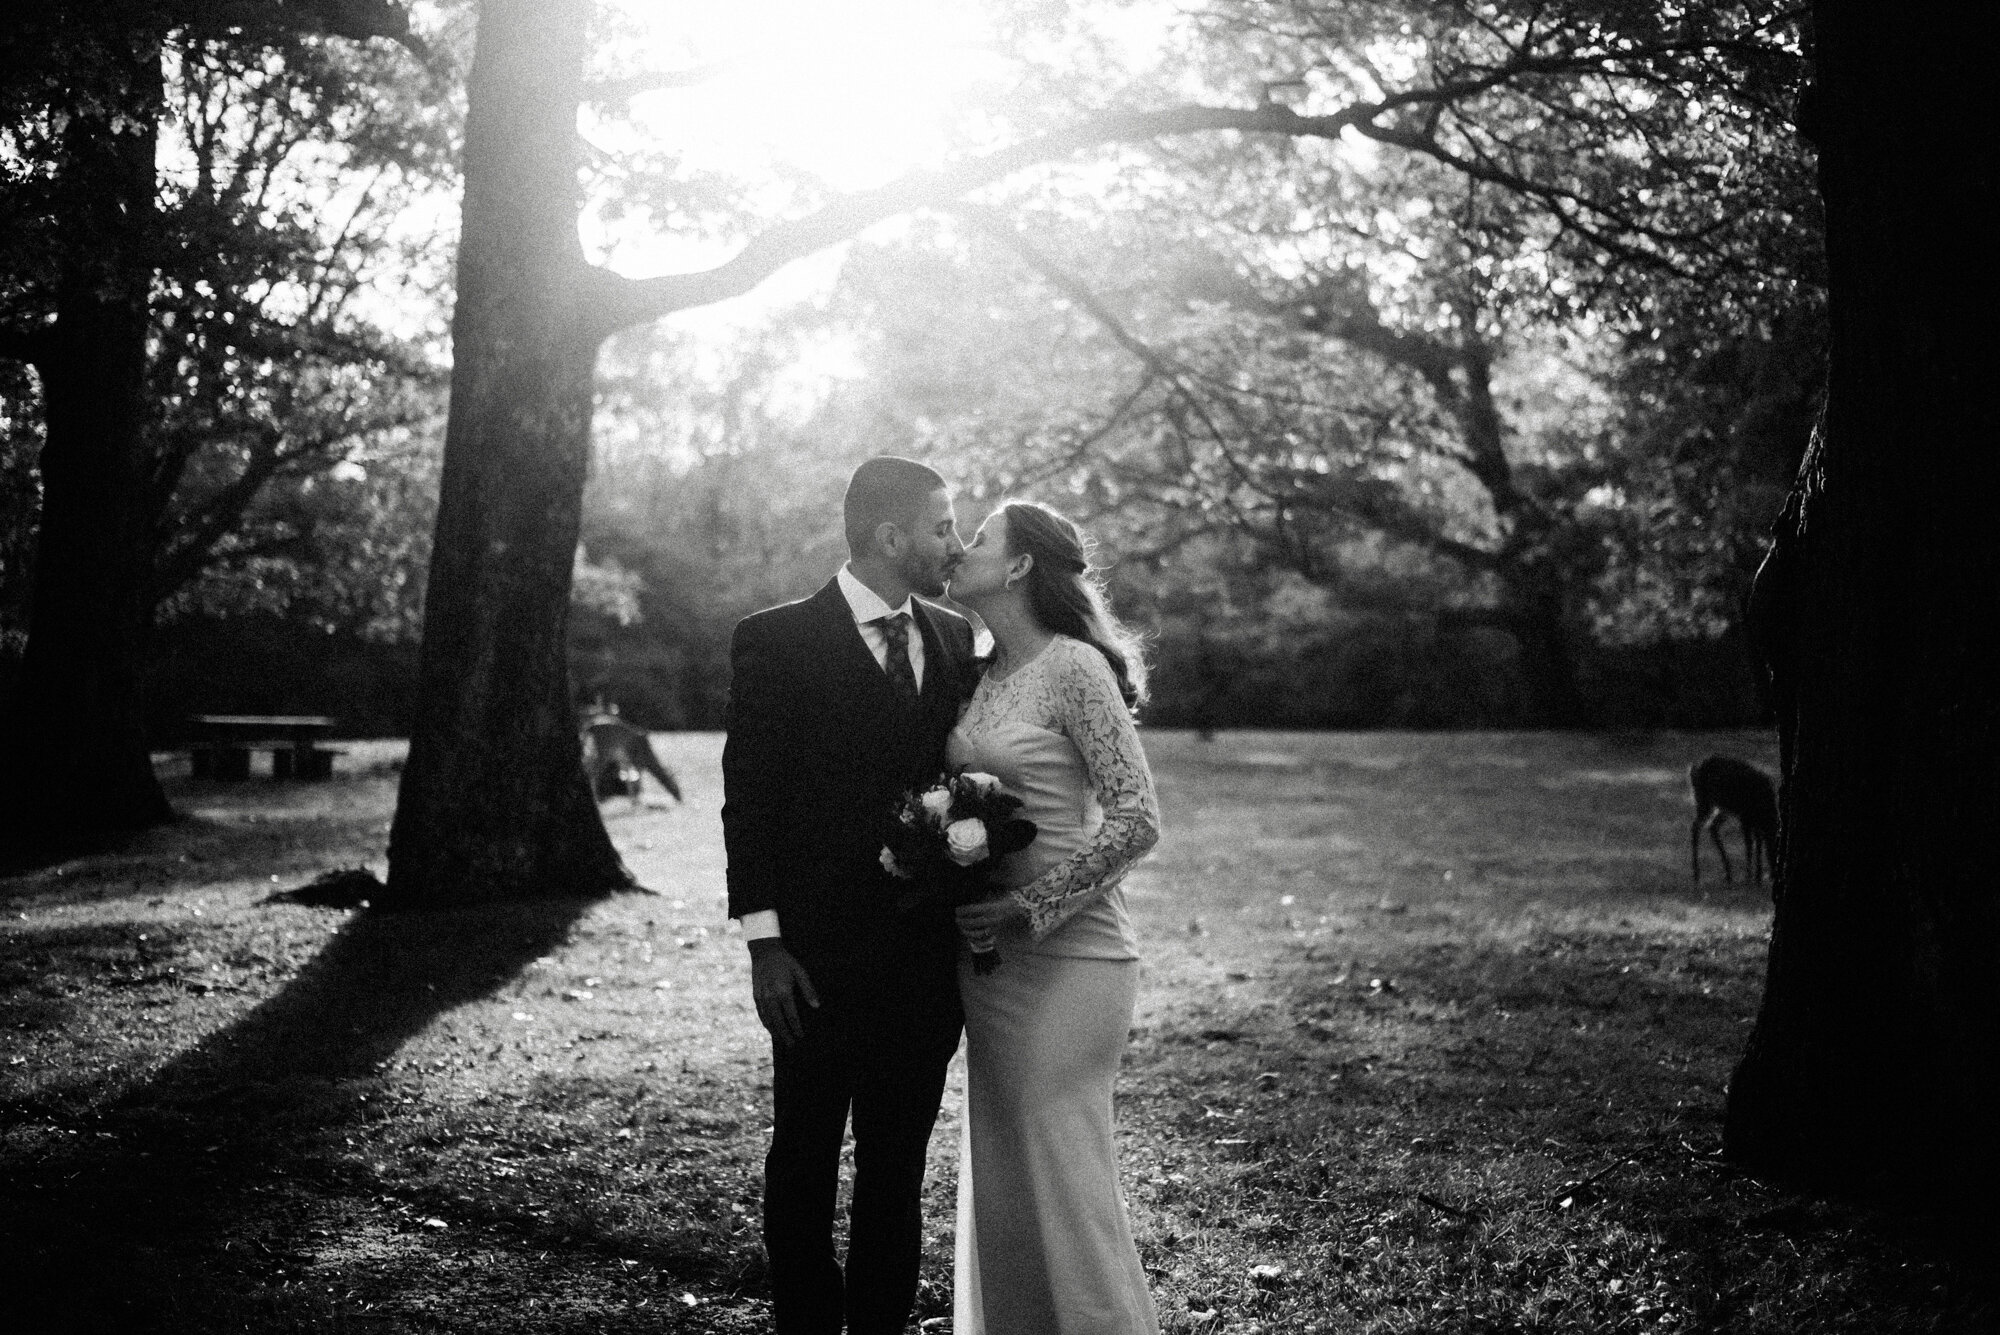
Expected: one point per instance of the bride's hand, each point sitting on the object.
(978, 922)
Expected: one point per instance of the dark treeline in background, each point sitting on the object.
(738, 511)
(705, 505)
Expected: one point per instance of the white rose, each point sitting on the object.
(937, 803)
(983, 784)
(965, 841)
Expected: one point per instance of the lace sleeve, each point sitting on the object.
(1090, 712)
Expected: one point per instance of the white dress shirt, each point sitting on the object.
(867, 607)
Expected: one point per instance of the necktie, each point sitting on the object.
(896, 629)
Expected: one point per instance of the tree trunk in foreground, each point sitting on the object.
(73, 757)
(1873, 1058)
(493, 801)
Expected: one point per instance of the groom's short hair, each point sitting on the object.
(886, 489)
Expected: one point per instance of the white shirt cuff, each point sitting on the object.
(762, 923)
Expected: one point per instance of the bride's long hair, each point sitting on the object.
(1067, 595)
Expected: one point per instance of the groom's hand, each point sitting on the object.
(778, 983)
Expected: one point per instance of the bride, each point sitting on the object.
(1044, 1247)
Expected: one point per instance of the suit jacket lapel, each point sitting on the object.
(943, 673)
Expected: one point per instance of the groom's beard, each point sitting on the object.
(925, 576)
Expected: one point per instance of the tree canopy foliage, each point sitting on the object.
(1518, 362)
(1489, 324)
(195, 198)
(288, 174)
(1443, 332)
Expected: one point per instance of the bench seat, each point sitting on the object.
(289, 760)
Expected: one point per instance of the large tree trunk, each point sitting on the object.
(73, 758)
(1538, 621)
(1878, 1043)
(1535, 567)
(493, 802)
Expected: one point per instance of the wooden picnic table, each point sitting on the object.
(224, 743)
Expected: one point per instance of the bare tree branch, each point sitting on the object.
(618, 303)
(622, 302)
(356, 20)
(1372, 507)
(1151, 357)
(607, 91)
(185, 556)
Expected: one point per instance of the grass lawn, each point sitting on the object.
(1433, 1038)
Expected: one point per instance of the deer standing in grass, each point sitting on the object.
(1723, 786)
(615, 754)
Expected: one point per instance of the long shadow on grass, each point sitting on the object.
(124, 1213)
(188, 855)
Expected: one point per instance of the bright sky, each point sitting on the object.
(853, 92)
(850, 92)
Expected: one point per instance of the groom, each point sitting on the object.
(838, 704)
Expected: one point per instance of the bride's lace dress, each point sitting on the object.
(1044, 1247)
(1056, 733)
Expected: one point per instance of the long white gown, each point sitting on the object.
(1044, 1246)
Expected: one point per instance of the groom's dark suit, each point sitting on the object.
(820, 747)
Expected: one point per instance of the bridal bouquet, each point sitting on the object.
(944, 837)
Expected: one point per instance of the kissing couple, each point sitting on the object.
(840, 704)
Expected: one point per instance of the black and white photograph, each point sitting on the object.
(998, 667)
